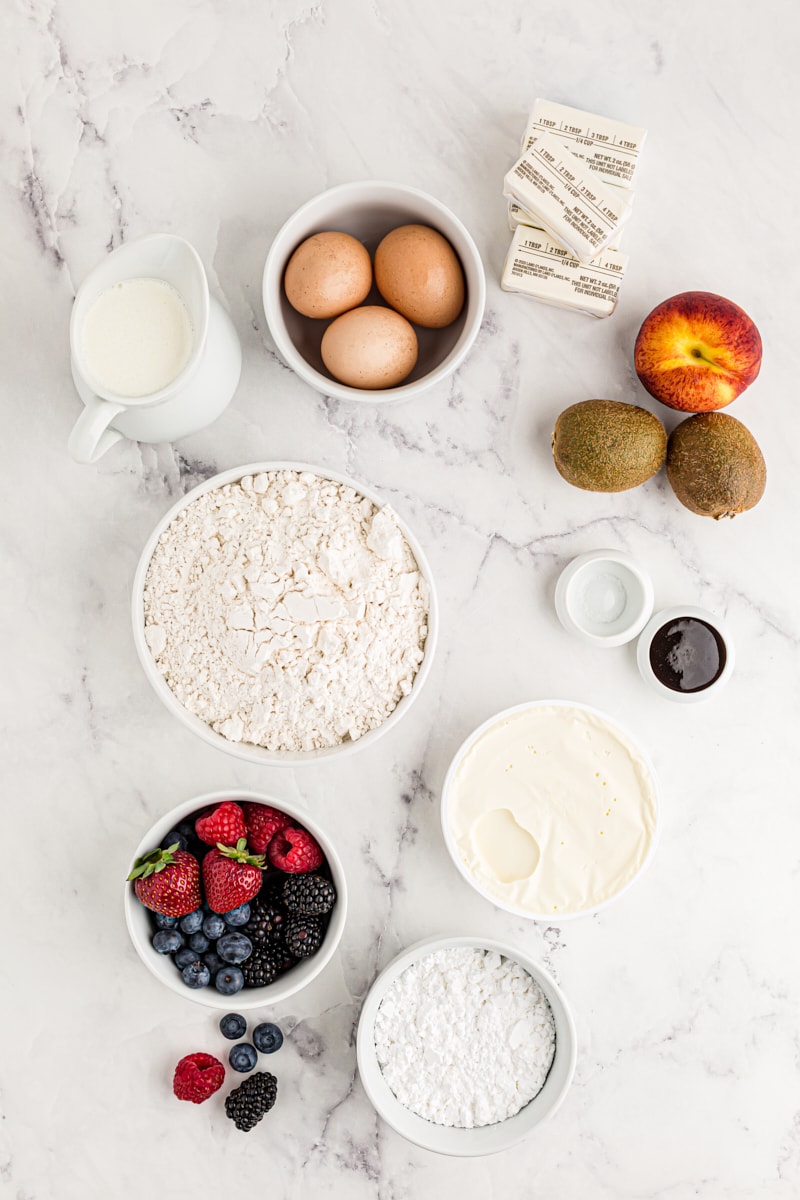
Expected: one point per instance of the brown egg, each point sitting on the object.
(370, 347)
(419, 273)
(328, 274)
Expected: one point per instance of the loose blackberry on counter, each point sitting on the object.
(251, 1100)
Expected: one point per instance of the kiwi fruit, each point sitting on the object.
(607, 446)
(715, 465)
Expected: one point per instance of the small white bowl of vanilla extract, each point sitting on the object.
(685, 653)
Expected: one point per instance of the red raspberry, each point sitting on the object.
(197, 1076)
(263, 823)
(295, 850)
(225, 824)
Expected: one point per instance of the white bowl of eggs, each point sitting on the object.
(373, 291)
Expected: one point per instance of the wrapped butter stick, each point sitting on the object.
(610, 148)
(539, 267)
(573, 205)
(517, 215)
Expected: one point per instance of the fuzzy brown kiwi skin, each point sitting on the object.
(608, 446)
(715, 466)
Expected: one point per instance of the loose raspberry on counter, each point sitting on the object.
(294, 850)
(197, 1076)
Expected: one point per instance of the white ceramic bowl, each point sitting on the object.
(245, 750)
(369, 210)
(453, 849)
(673, 614)
(140, 926)
(608, 578)
(486, 1139)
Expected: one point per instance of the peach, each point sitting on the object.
(697, 352)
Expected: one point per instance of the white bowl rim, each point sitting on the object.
(247, 998)
(386, 1103)
(245, 750)
(525, 706)
(565, 610)
(671, 614)
(404, 391)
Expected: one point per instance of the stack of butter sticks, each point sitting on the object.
(569, 198)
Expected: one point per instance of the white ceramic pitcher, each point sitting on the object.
(197, 395)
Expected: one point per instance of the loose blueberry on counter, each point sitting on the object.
(232, 1026)
(243, 1057)
(213, 961)
(199, 942)
(229, 980)
(184, 957)
(214, 926)
(167, 941)
(174, 837)
(196, 975)
(192, 921)
(267, 1037)
(234, 948)
(237, 916)
(165, 922)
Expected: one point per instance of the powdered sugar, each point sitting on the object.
(286, 610)
(465, 1037)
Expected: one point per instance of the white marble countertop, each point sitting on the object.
(215, 121)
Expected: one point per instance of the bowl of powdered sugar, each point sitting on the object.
(284, 613)
(465, 1045)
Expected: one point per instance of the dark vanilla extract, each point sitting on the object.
(687, 654)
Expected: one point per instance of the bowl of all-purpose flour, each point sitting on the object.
(465, 1045)
(550, 810)
(284, 613)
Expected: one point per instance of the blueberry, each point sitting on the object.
(267, 1037)
(174, 836)
(167, 941)
(237, 916)
(229, 980)
(184, 957)
(213, 961)
(234, 947)
(196, 975)
(233, 1026)
(213, 926)
(192, 921)
(164, 922)
(243, 1057)
(199, 942)
(187, 831)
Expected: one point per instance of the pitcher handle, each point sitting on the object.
(91, 437)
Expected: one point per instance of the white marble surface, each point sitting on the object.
(216, 120)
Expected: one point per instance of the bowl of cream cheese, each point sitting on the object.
(550, 810)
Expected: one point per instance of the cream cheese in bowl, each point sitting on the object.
(550, 810)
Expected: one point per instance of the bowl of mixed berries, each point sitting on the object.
(234, 894)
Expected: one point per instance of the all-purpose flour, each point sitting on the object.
(286, 610)
(465, 1037)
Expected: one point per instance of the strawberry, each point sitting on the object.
(197, 1076)
(294, 850)
(231, 876)
(225, 824)
(168, 881)
(263, 823)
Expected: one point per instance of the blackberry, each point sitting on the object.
(266, 924)
(264, 966)
(303, 935)
(312, 895)
(249, 1102)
